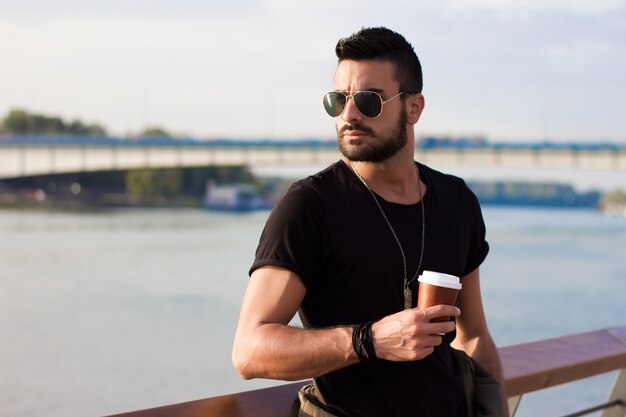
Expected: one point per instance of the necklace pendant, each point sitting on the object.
(408, 295)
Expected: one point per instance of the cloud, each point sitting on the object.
(529, 6)
(196, 65)
(417, 9)
(29, 9)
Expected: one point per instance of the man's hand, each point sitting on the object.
(409, 335)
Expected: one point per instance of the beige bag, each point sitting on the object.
(309, 405)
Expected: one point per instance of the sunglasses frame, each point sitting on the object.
(350, 96)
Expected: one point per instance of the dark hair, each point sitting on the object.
(382, 44)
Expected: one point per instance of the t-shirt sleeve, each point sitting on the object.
(293, 234)
(478, 248)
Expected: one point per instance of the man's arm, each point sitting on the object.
(472, 333)
(266, 347)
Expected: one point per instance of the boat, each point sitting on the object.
(237, 197)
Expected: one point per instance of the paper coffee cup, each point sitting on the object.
(436, 288)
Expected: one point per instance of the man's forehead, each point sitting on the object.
(377, 75)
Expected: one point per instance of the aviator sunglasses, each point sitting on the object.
(369, 103)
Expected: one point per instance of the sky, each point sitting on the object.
(517, 70)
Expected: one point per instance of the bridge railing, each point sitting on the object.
(19, 159)
(528, 367)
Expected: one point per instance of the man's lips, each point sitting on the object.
(354, 134)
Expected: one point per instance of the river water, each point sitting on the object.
(115, 311)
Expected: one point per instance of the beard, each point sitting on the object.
(379, 147)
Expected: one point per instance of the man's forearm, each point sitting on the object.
(277, 351)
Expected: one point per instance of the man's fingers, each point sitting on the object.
(441, 327)
(438, 319)
(441, 311)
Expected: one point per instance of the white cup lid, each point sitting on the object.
(440, 279)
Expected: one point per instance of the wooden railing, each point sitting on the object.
(527, 367)
(537, 365)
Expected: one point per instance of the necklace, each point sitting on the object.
(407, 291)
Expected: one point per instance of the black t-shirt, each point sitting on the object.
(329, 231)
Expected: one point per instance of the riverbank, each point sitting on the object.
(86, 200)
(74, 196)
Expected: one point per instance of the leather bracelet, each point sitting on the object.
(362, 342)
(357, 344)
(369, 342)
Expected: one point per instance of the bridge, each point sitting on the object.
(23, 156)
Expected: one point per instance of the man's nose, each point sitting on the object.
(350, 112)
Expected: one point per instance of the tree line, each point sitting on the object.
(23, 122)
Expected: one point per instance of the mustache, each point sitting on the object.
(356, 126)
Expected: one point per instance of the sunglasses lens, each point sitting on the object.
(369, 103)
(334, 103)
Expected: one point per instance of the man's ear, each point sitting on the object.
(415, 106)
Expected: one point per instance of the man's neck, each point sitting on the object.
(394, 179)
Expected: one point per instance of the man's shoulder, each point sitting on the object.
(447, 186)
(309, 192)
(441, 178)
(323, 181)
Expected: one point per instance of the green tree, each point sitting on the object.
(21, 122)
(614, 197)
(77, 127)
(155, 131)
(18, 121)
(141, 183)
(47, 125)
(170, 182)
(150, 183)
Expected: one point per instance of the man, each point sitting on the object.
(345, 246)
